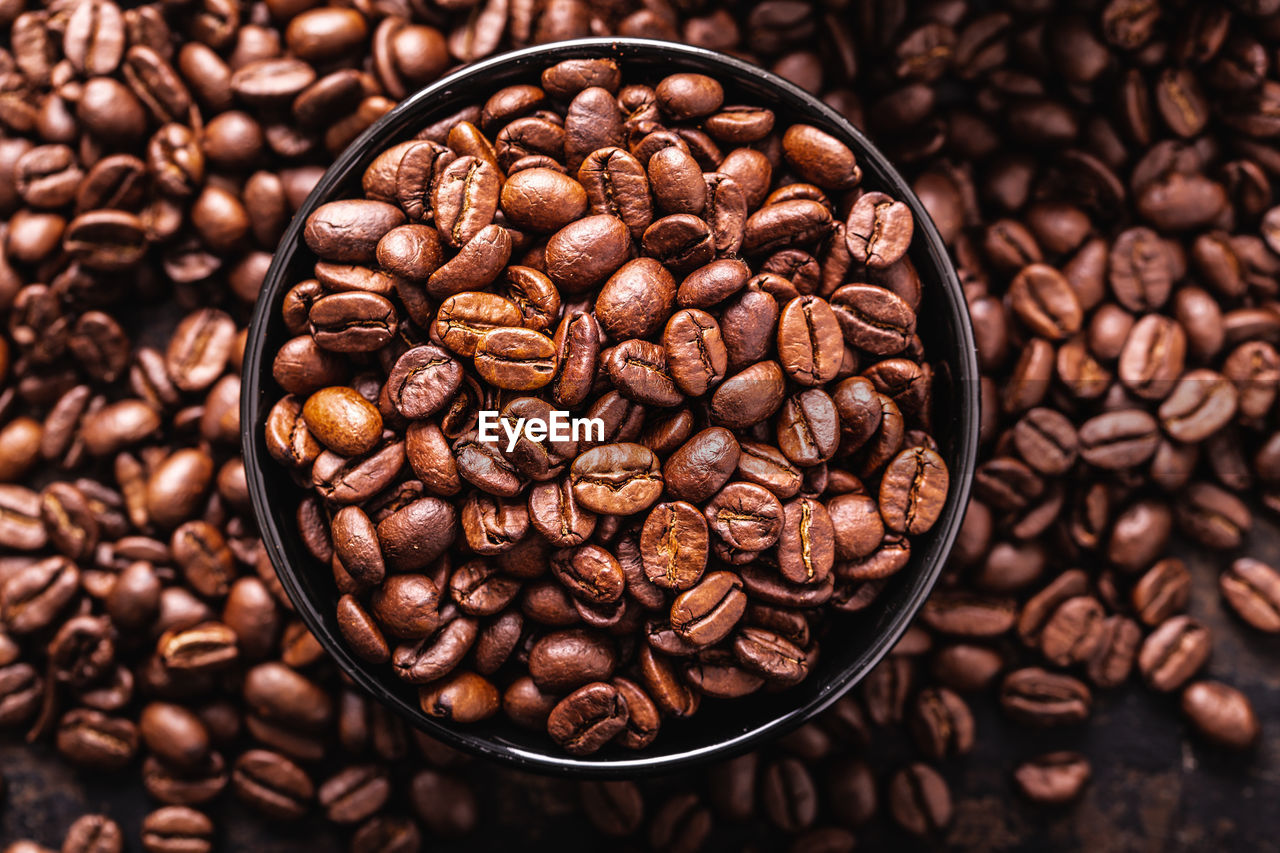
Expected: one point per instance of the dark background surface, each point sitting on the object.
(1156, 786)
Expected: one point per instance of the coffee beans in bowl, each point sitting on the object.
(606, 397)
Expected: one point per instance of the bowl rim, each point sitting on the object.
(965, 380)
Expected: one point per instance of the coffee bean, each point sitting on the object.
(1054, 777)
(1040, 698)
(1252, 588)
(913, 490)
(177, 828)
(706, 613)
(919, 800)
(1173, 653)
(93, 833)
(1221, 713)
(878, 230)
(272, 784)
(588, 718)
(616, 479)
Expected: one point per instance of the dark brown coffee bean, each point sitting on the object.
(879, 230)
(919, 800)
(272, 784)
(913, 490)
(177, 829)
(564, 660)
(873, 318)
(681, 242)
(638, 369)
(590, 573)
(586, 252)
(1222, 714)
(1120, 439)
(616, 479)
(1040, 698)
(810, 345)
(617, 185)
(1053, 778)
(349, 231)
(702, 465)
(401, 534)
(1252, 588)
(806, 544)
(588, 718)
(1044, 301)
(749, 397)
(354, 321)
(746, 517)
(95, 740)
(706, 613)
(1162, 592)
(819, 157)
(770, 655)
(1173, 653)
(674, 545)
(942, 723)
(463, 697)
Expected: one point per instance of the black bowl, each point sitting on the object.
(854, 644)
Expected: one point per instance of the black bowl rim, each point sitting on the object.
(965, 381)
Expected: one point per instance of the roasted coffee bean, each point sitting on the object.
(588, 718)
(1252, 588)
(565, 660)
(272, 784)
(769, 655)
(616, 479)
(942, 723)
(810, 345)
(878, 230)
(172, 829)
(1053, 778)
(913, 490)
(1222, 714)
(1162, 592)
(706, 613)
(919, 800)
(1173, 653)
(873, 319)
(95, 740)
(464, 697)
(806, 543)
(674, 545)
(1040, 698)
(353, 321)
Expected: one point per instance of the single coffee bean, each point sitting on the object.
(1222, 714)
(272, 784)
(1252, 588)
(588, 718)
(1053, 778)
(1040, 698)
(913, 490)
(919, 800)
(616, 479)
(674, 545)
(707, 613)
(177, 829)
(1173, 653)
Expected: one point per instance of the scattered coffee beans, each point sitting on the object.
(150, 159)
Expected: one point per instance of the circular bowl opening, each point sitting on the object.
(852, 645)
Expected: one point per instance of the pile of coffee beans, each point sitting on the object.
(151, 156)
(722, 315)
